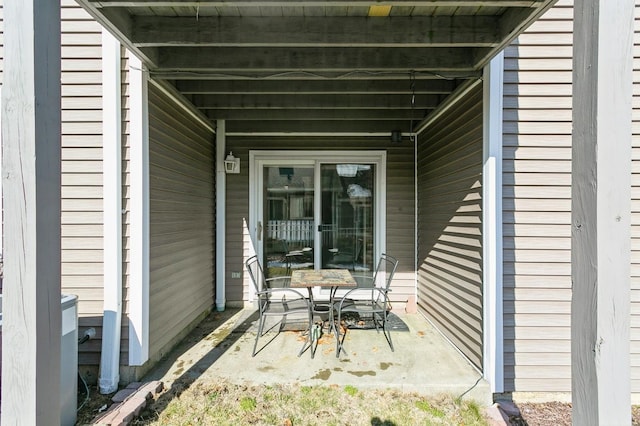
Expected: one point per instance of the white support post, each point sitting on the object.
(112, 206)
(221, 185)
(31, 178)
(139, 214)
(493, 354)
(601, 204)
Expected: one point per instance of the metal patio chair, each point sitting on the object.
(275, 299)
(369, 299)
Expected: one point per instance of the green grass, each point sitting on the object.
(228, 404)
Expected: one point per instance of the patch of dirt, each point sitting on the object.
(542, 414)
(553, 414)
(89, 408)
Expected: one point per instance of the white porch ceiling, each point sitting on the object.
(316, 65)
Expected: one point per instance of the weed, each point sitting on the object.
(351, 390)
(248, 404)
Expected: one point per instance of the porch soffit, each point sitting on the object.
(320, 66)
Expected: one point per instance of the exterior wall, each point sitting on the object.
(182, 232)
(450, 224)
(537, 208)
(82, 217)
(635, 215)
(400, 206)
(537, 205)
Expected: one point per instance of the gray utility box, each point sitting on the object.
(68, 358)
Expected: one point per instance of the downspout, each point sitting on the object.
(112, 207)
(221, 184)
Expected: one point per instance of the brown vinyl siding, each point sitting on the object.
(182, 231)
(537, 206)
(400, 205)
(450, 224)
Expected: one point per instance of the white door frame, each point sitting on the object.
(258, 159)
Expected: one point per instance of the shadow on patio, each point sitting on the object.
(219, 349)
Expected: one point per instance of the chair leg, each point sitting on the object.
(308, 343)
(386, 331)
(339, 341)
(258, 335)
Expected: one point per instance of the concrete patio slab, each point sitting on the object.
(423, 361)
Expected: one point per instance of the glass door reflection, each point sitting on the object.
(288, 217)
(347, 216)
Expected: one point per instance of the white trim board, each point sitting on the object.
(492, 256)
(139, 217)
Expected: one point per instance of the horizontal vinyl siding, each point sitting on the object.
(537, 206)
(126, 204)
(450, 224)
(82, 214)
(635, 216)
(181, 179)
(400, 234)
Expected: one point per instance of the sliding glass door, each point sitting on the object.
(347, 216)
(288, 218)
(316, 213)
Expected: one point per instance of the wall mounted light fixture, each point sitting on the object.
(231, 164)
(396, 136)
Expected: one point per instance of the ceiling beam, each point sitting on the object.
(328, 127)
(321, 101)
(512, 23)
(313, 3)
(299, 87)
(302, 75)
(342, 31)
(120, 24)
(229, 59)
(316, 114)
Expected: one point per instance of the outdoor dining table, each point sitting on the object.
(332, 278)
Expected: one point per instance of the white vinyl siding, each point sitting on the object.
(450, 224)
(182, 214)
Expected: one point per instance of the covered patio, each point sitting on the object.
(219, 349)
(271, 75)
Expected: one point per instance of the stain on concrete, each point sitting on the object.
(338, 369)
(323, 374)
(237, 349)
(362, 373)
(178, 372)
(385, 365)
(266, 369)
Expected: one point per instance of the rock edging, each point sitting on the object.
(128, 403)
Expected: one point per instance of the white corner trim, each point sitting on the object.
(221, 194)
(139, 214)
(492, 257)
(112, 210)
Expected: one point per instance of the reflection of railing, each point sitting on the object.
(299, 231)
(332, 235)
